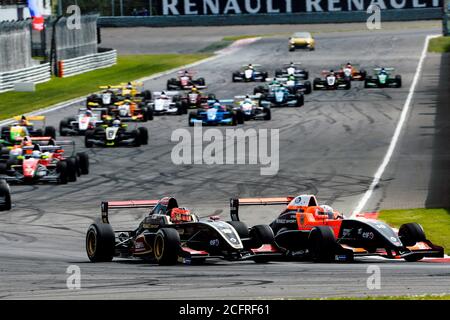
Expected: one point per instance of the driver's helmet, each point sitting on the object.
(88, 113)
(349, 65)
(326, 210)
(23, 121)
(250, 66)
(129, 86)
(291, 78)
(163, 95)
(194, 89)
(180, 215)
(291, 64)
(36, 154)
(332, 72)
(217, 104)
(26, 141)
(116, 123)
(247, 99)
(383, 70)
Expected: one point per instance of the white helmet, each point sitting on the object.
(116, 123)
(36, 154)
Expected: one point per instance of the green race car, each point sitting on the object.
(383, 79)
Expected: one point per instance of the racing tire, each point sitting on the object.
(147, 95)
(144, 114)
(5, 133)
(261, 234)
(398, 81)
(3, 167)
(50, 132)
(322, 244)
(300, 100)
(241, 229)
(166, 246)
(83, 162)
(315, 83)
(268, 115)
(308, 87)
(258, 89)
(192, 115)
(137, 138)
(363, 74)
(72, 169)
(240, 119)
(234, 120)
(306, 75)
(5, 192)
(411, 233)
(100, 242)
(38, 133)
(212, 96)
(181, 108)
(278, 73)
(62, 169)
(87, 139)
(291, 49)
(150, 113)
(235, 76)
(143, 135)
(170, 83)
(349, 85)
(63, 124)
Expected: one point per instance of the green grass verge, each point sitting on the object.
(435, 222)
(405, 297)
(128, 68)
(440, 45)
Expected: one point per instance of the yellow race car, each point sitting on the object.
(301, 40)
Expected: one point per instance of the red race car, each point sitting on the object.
(42, 159)
(305, 229)
(185, 81)
(349, 71)
(195, 99)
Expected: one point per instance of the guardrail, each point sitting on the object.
(36, 74)
(71, 67)
(258, 19)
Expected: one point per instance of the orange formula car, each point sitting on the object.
(308, 230)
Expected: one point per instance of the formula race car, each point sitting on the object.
(170, 234)
(301, 40)
(87, 119)
(250, 73)
(5, 196)
(195, 99)
(292, 69)
(331, 81)
(129, 110)
(280, 96)
(251, 109)
(115, 134)
(185, 81)
(24, 127)
(351, 72)
(167, 102)
(219, 112)
(112, 94)
(291, 83)
(307, 230)
(383, 79)
(42, 159)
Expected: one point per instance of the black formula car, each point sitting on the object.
(115, 134)
(292, 69)
(5, 196)
(250, 73)
(170, 234)
(331, 81)
(307, 230)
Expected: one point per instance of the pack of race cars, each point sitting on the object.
(169, 234)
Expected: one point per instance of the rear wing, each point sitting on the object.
(93, 109)
(31, 118)
(129, 204)
(235, 203)
(168, 93)
(251, 96)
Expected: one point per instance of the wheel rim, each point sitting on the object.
(159, 247)
(91, 243)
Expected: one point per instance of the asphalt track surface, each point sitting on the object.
(330, 147)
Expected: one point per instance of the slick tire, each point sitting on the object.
(62, 170)
(261, 234)
(87, 139)
(143, 135)
(268, 115)
(322, 244)
(5, 196)
(241, 229)
(83, 162)
(63, 124)
(50, 132)
(240, 117)
(308, 87)
(398, 80)
(411, 233)
(192, 116)
(166, 246)
(137, 138)
(100, 242)
(72, 169)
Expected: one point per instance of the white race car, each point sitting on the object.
(85, 120)
(167, 102)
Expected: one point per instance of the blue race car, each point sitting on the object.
(218, 112)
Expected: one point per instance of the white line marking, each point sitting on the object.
(233, 47)
(398, 129)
